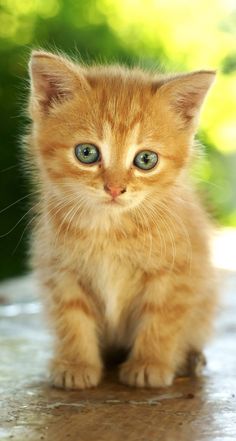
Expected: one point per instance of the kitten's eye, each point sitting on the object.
(146, 160)
(87, 153)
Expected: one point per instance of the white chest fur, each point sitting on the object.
(113, 277)
(109, 284)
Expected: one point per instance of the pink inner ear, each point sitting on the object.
(186, 93)
(188, 104)
(49, 91)
(53, 80)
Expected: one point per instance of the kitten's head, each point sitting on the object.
(109, 136)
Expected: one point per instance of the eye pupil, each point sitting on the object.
(86, 151)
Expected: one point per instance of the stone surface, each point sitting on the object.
(192, 409)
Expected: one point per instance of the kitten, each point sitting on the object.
(120, 243)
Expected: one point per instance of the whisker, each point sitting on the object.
(164, 222)
(145, 222)
(180, 222)
(18, 222)
(21, 237)
(9, 168)
(16, 202)
(154, 217)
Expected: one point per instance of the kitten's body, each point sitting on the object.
(131, 271)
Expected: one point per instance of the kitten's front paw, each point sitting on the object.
(74, 376)
(144, 374)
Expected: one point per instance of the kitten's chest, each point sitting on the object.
(113, 280)
(113, 271)
(111, 283)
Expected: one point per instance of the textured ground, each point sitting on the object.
(192, 410)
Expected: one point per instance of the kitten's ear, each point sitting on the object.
(53, 79)
(186, 94)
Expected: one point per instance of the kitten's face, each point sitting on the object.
(111, 138)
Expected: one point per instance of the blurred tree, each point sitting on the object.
(177, 35)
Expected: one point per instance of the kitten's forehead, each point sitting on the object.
(120, 98)
(120, 105)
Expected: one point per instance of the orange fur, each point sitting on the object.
(134, 272)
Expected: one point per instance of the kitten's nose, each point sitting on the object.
(114, 190)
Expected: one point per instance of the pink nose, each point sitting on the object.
(114, 190)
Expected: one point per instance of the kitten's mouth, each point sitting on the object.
(113, 202)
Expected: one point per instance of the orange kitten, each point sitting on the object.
(120, 243)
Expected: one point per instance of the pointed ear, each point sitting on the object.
(186, 93)
(53, 79)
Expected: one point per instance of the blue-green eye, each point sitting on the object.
(87, 153)
(146, 160)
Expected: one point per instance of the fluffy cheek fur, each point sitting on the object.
(135, 275)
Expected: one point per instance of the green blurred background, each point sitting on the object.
(170, 35)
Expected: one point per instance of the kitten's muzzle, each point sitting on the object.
(114, 191)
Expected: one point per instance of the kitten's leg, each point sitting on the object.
(77, 363)
(159, 346)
